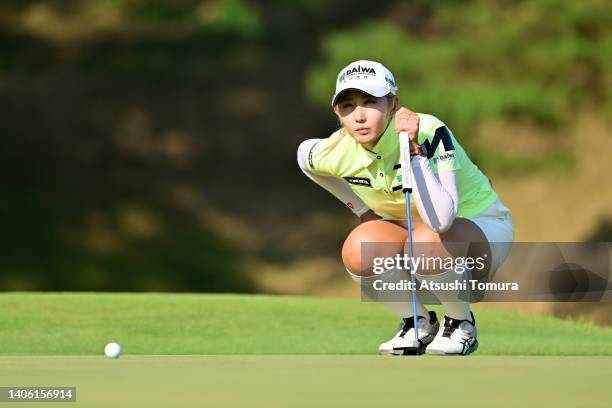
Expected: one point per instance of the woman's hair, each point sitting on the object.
(343, 132)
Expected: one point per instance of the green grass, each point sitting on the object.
(190, 324)
(318, 381)
(243, 351)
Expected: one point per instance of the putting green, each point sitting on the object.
(318, 381)
(190, 324)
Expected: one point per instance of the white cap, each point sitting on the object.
(368, 76)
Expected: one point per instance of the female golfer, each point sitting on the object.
(461, 216)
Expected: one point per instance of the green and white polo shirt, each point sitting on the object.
(376, 177)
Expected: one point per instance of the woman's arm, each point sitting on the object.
(338, 187)
(435, 195)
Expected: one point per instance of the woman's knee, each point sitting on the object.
(351, 253)
(370, 240)
(463, 240)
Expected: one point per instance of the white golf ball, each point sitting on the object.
(112, 350)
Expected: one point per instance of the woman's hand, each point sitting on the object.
(408, 121)
(369, 216)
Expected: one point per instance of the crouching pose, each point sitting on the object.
(460, 214)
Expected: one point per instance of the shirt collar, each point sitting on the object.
(386, 147)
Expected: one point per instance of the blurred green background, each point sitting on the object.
(150, 145)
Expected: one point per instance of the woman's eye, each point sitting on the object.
(346, 105)
(367, 101)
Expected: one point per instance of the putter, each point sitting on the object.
(407, 189)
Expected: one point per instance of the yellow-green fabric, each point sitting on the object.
(376, 177)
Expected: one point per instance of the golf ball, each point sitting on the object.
(112, 350)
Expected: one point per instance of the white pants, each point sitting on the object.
(496, 223)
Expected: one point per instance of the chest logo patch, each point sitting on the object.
(359, 181)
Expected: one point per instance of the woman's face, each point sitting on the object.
(364, 116)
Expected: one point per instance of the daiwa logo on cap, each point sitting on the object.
(356, 70)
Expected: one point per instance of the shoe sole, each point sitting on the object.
(469, 351)
(411, 351)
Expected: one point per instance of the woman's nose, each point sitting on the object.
(359, 114)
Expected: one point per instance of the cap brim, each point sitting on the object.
(376, 91)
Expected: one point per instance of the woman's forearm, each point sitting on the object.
(435, 195)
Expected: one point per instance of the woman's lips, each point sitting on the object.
(362, 131)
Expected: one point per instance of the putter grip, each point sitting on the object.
(405, 161)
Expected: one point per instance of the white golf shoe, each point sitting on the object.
(455, 337)
(404, 343)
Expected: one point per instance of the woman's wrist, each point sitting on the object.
(417, 149)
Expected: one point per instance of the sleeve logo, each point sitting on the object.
(310, 163)
(359, 181)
